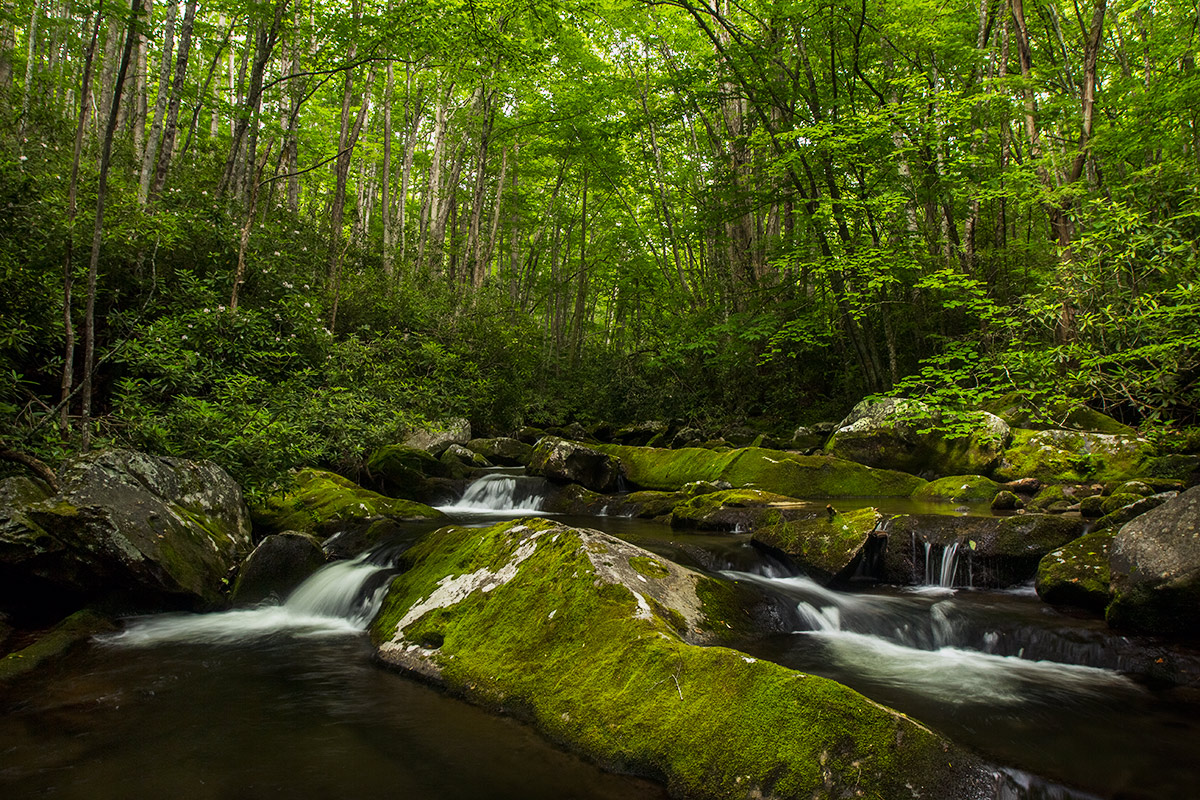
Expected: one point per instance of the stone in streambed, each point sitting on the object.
(570, 462)
(402, 471)
(775, 471)
(279, 564)
(594, 641)
(322, 503)
(75, 629)
(503, 451)
(1121, 512)
(826, 545)
(958, 489)
(1077, 574)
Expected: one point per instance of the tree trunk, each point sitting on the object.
(150, 154)
(89, 320)
(170, 129)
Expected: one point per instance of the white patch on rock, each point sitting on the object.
(643, 611)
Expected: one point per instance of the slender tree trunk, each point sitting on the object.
(240, 275)
(30, 61)
(150, 155)
(170, 128)
(68, 371)
(89, 320)
(385, 201)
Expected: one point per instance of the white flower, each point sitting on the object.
(24, 158)
(206, 311)
(308, 305)
(276, 253)
(184, 336)
(220, 308)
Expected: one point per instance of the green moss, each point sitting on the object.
(774, 471)
(958, 489)
(320, 502)
(649, 567)
(822, 545)
(1077, 574)
(74, 629)
(1118, 500)
(602, 673)
(1047, 497)
(1062, 456)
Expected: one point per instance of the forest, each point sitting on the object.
(277, 233)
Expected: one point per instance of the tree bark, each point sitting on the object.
(170, 128)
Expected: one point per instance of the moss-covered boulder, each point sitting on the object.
(162, 530)
(434, 437)
(503, 451)
(1052, 499)
(1092, 506)
(1020, 413)
(565, 461)
(908, 435)
(784, 473)
(958, 489)
(279, 564)
(1077, 574)
(1121, 512)
(401, 471)
(323, 503)
(74, 630)
(1006, 501)
(1155, 562)
(594, 641)
(991, 551)
(1063, 456)
(461, 462)
(828, 545)
(738, 510)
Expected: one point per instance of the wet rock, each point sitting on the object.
(733, 510)
(461, 462)
(828, 545)
(908, 435)
(1092, 506)
(958, 489)
(279, 564)
(163, 529)
(323, 503)
(503, 451)
(1155, 562)
(1007, 501)
(570, 462)
(992, 551)
(775, 471)
(530, 435)
(434, 438)
(1023, 486)
(807, 439)
(1118, 500)
(72, 631)
(594, 641)
(1140, 488)
(1077, 574)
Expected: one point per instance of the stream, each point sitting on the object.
(284, 700)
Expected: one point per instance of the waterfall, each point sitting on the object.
(500, 493)
(949, 565)
(940, 575)
(338, 599)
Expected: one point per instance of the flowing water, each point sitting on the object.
(285, 701)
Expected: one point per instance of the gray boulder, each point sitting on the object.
(279, 564)
(570, 462)
(911, 436)
(436, 436)
(123, 521)
(1155, 565)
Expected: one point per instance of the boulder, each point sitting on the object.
(502, 450)
(775, 471)
(1122, 513)
(402, 471)
(279, 564)
(1020, 413)
(1077, 574)
(1155, 562)
(641, 434)
(1006, 501)
(826, 544)
(992, 551)
(594, 641)
(570, 462)
(911, 436)
(736, 510)
(807, 439)
(1063, 456)
(435, 437)
(323, 503)
(164, 530)
(958, 489)
(461, 462)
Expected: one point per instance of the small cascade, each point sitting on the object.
(500, 493)
(939, 574)
(949, 565)
(338, 599)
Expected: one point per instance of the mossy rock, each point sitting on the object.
(75, 629)
(566, 461)
(827, 546)
(1077, 574)
(909, 435)
(322, 503)
(1063, 456)
(584, 636)
(502, 450)
(643, 505)
(1140, 488)
(739, 510)
(401, 471)
(1007, 501)
(1118, 500)
(1048, 497)
(958, 489)
(1019, 413)
(773, 471)
(1124, 512)
(1092, 506)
